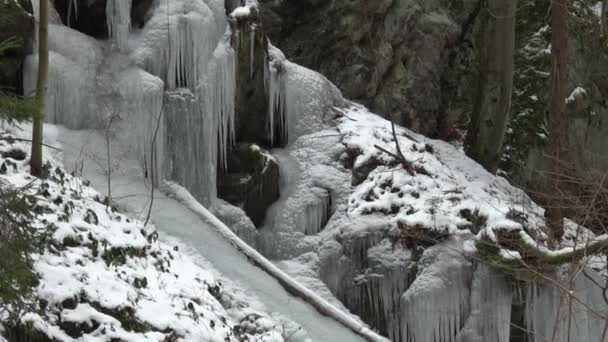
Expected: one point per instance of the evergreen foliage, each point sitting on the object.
(18, 240)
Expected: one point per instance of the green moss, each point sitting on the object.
(532, 260)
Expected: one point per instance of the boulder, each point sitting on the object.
(250, 181)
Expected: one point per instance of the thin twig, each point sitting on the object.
(152, 166)
(28, 140)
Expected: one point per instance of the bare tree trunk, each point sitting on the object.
(41, 88)
(492, 106)
(558, 135)
(604, 17)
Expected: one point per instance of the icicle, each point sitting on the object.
(118, 13)
(191, 145)
(554, 315)
(275, 85)
(178, 43)
(252, 48)
(69, 99)
(72, 6)
(491, 302)
(140, 103)
(315, 211)
(222, 97)
(433, 306)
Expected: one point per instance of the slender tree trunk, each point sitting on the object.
(41, 87)
(492, 106)
(558, 134)
(604, 17)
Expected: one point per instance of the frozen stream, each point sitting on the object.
(87, 150)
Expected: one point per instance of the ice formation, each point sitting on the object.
(118, 13)
(571, 311)
(275, 86)
(183, 50)
(435, 305)
(491, 299)
(178, 42)
(314, 211)
(222, 96)
(190, 141)
(138, 100)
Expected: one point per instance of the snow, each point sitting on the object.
(577, 93)
(156, 284)
(184, 48)
(597, 9)
(207, 236)
(241, 12)
(344, 203)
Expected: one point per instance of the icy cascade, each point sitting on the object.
(73, 60)
(178, 43)
(275, 86)
(298, 98)
(186, 43)
(315, 211)
(184, 48)
(434, 307)
(139, 99)
(190, 141)
(491, 299)
(118, 13)
(222, 95)
(573, 311)
(385, 274)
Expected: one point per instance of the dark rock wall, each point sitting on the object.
(402, 58)
(16, 23)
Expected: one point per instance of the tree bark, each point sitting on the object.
(491, 111)
(558, 134)
(41, 88)
(604, 17)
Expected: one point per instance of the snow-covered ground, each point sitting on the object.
(105, 275)
(131, 192)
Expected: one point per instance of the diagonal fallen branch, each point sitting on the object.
(407, 165)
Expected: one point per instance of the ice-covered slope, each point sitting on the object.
(129, 189)
(399, 245)
(104, 275)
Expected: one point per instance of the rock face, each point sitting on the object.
(89, 17)
(16, 22)
(251, 181)
(402, 58)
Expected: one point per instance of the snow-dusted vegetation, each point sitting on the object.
(106, 276)
(436, 172)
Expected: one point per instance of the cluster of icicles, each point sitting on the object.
(172, 86)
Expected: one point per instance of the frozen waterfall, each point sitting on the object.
(173, 79)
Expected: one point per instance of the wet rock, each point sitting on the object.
(250, 181)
